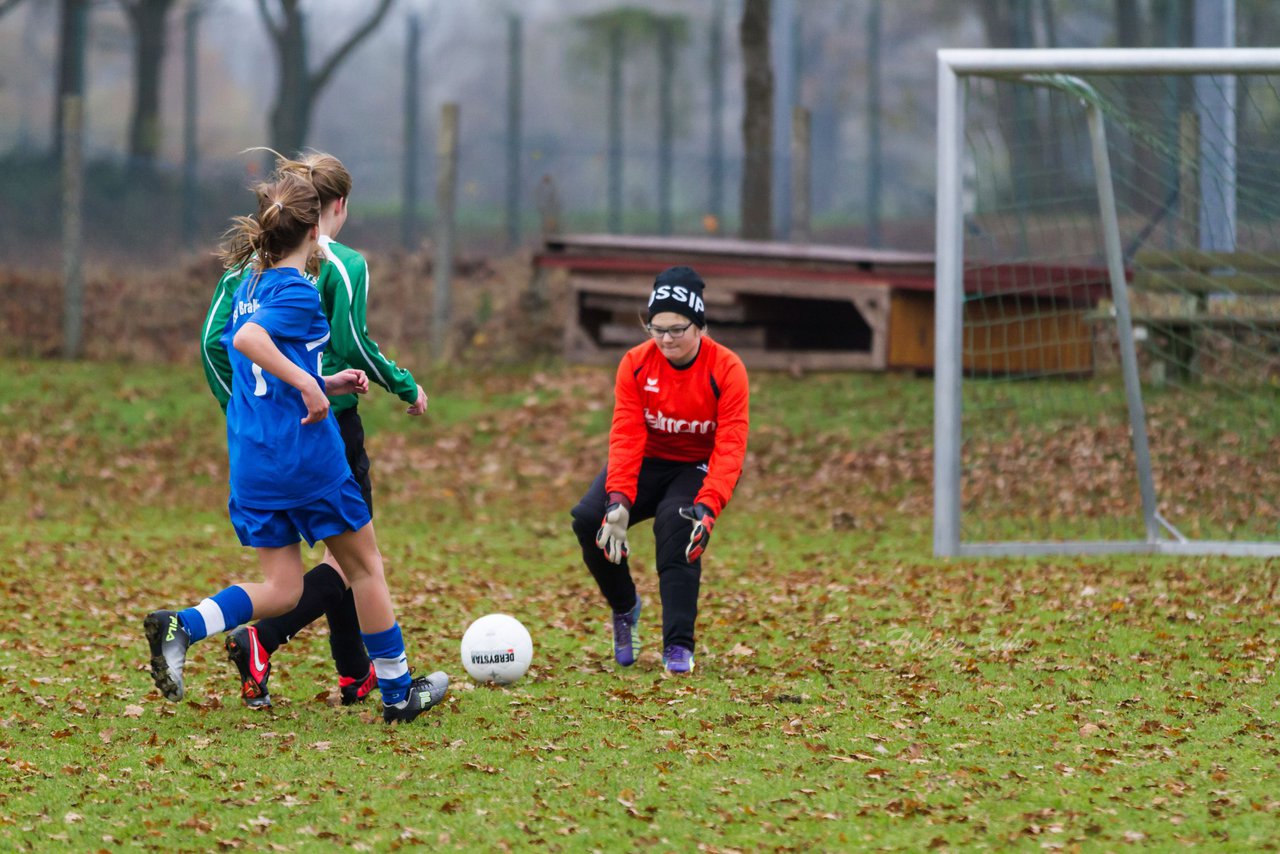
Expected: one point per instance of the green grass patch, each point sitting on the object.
(851, 692)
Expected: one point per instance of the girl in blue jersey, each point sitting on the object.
(343, 283)
(289, 474)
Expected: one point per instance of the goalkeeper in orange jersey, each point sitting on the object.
(676, 448)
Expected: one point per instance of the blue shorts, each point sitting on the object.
(339, 511)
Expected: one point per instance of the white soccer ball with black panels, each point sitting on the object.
(497, 648)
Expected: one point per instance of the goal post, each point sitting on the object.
(1107, 341)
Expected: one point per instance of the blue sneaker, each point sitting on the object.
(626, 646)
(424, 693)
(677, 659)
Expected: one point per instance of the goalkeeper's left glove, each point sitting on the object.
(703, 521)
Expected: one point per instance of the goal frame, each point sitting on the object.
(954, 65)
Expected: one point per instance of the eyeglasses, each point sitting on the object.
(676, 332)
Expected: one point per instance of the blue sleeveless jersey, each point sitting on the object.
(277, 462)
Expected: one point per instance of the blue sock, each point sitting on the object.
(222, 612)
(386, 649)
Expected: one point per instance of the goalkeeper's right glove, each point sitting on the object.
(703, 521)
(612, 536)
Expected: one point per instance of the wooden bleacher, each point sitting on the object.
(805, 307)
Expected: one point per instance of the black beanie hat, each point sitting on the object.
(678, 289)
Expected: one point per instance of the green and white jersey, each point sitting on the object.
(344, 294)
(213, 358)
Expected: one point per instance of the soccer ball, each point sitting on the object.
(497, 648)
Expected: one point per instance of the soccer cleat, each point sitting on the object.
(424, 692)
(626, 643)
(254, 663)
(677, 659)
(169, 642)
(355, 690)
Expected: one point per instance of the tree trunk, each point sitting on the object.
(291, 113)
(148, 18)
(757, 122)
(298, 86)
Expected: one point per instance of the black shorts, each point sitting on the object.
(352, 429)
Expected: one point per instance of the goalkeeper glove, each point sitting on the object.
(703, 521)
(612, 536)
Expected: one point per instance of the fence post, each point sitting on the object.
(800, 171)
(72, 225)
(446, 196)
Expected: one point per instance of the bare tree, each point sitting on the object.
(149, 21)
(299, 86)
(757, 122)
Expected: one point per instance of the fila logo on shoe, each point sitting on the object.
(665, 424)
(651, 384)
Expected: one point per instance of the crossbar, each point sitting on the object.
(1187, 60)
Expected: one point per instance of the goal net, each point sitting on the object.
(1108, 302)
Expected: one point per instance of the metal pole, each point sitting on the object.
(1124, 321)
(800, 172)
(782, 51)
(616, 46)
(949, 319)
(1261, 60)
(874, 90)
(515, 74)
(715, 195)
(666, 122)
(412, 136)
(446, 195)
(190, 102)
(1216, 101)
(72, 225)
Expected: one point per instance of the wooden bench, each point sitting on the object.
(1181, 298)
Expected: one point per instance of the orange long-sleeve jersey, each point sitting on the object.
(690, 414)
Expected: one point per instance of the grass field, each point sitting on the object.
(852, 692)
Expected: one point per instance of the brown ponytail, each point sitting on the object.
(325, 172)
(287, 209)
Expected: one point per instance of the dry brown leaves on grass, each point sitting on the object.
(154, 314)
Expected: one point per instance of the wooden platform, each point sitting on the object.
(787, 306)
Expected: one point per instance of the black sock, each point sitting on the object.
(345, 642)
(322, 589)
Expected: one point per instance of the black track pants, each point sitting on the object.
(663, 488)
